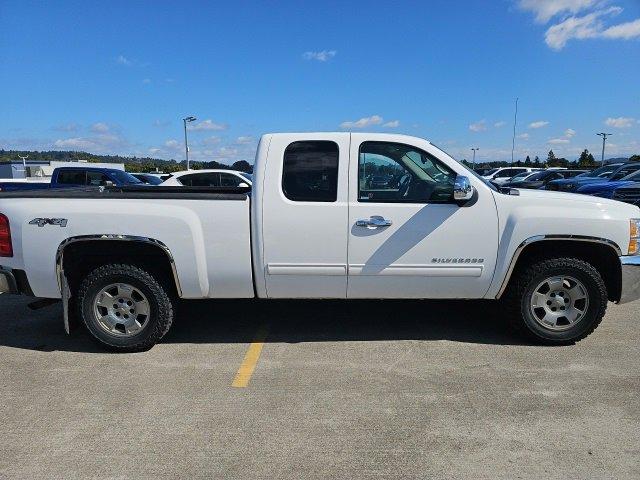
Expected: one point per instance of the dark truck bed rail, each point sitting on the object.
(135, 192)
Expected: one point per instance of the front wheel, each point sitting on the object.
(124, 307)
(556, 301)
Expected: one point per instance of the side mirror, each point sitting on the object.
(242, 184)
(462, 189)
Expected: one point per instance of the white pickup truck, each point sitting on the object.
(329, 215)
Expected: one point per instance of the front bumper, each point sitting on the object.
(8, 282)
(630, 280)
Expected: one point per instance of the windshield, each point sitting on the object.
(538, 176)
(150, 179)
(248, 176)
(605, 170)
(125, 178)
(632, 176)
(521, 176)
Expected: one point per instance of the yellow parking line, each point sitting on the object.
(250, 359)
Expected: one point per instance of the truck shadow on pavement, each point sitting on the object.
(237, 321)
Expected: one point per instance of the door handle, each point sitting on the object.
(373, 222)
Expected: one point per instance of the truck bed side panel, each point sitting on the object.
(208, 239)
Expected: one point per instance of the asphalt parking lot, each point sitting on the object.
(337, 390)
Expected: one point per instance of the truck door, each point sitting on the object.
(407, 237)
(304, 216)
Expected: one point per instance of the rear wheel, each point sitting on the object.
(556, 301)
(125, 307)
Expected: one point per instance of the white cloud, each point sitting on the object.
(213, 140)
(620, 122)
(392, 124)
(545, 10)
(480, 126)
(100, 127)
(122, 60)
(244, 140)
(363, 122)
(624, 31)
(523, 136)
(569, 25)
(208, 125)
(68, 127)
(499, 124)
(173, 144)
(569, 132)
(558, 141)
(587, 26)
(538, 124)
(75, 143)
(161, 123)
(322, 56)
(105, 143)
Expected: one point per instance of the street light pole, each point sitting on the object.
(186, 143)
(604, 140)
(474, 157)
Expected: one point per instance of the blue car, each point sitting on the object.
(606, 189)
(629, 193)
(598, 175)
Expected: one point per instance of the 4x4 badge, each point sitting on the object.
(41, 222)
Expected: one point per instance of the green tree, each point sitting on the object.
(551, 156)
(586, 159)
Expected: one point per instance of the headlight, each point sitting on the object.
(634, 235)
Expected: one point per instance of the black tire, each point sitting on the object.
(521, 289)
(160, 303)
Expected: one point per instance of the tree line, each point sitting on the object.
(133, 164)
(584, 161)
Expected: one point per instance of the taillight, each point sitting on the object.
(6, 249)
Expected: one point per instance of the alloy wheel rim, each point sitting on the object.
(558, 303)
(121, 310)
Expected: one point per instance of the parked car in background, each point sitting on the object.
(628, 194)
(498, 176)
(208, 178)
(572, 184)
(482, 171)
(521, 176)
(538, 180)
(606, 188)
(73, 177)
(148, 179)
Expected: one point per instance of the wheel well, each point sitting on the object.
(81, 257)
(602, 257)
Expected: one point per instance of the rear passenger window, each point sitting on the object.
(71, 177)
(211, 179)
(310, 172)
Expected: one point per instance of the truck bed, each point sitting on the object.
(206, 230)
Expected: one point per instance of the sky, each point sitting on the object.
(117, 77)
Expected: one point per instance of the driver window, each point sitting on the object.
(398, 173)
